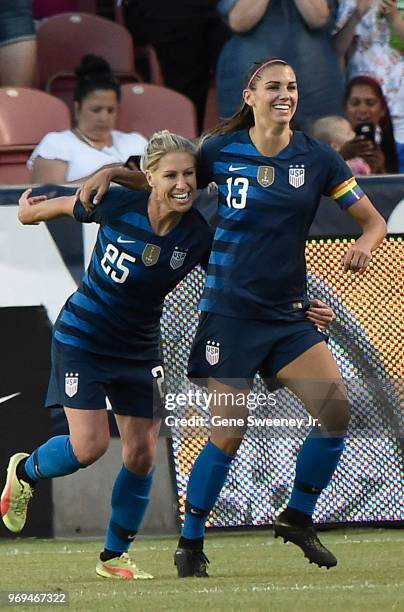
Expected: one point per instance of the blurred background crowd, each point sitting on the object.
(84, 83)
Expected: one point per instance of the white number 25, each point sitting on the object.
(113, 256)
(242, 185)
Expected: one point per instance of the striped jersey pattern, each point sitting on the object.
(266, 206)
(117, 307)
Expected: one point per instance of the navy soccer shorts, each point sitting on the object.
(80, 379)
(16, 21)
(234, 350)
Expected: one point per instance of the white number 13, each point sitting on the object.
(242, 185)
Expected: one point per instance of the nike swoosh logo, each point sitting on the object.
(8, 397)
(123, 241)
(235, 168)
(131, 537)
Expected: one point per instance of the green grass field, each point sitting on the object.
(248, 572)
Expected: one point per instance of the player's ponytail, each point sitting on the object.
(244, 117)
(162, 143)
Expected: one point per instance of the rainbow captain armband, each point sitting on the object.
(347, 193)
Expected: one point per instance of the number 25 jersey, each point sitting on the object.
(116, 309)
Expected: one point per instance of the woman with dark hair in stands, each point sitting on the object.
(366, 104)
(93, 142)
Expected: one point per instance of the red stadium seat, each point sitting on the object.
(148, 108)
(26, 115)
(64, 39)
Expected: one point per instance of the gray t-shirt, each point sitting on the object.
(283, 33)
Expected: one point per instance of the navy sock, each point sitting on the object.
(130, 498)
(206, 480)
(52, 459)
(315, 466)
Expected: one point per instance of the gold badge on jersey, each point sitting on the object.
(266, 175)
(151, 254)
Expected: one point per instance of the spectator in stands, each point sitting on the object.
(297, 30)
(18, 51)
(365, 102)
(364, 38)
(93, 143)
(187, 36)
(336, 131)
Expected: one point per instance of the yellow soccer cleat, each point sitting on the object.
(121, 568)
(15, 496)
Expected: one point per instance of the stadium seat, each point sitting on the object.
(64, 39)
(26, 115)
(146, 108)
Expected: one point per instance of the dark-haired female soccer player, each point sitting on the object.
(270, 182)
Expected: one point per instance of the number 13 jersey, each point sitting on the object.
(266, 205)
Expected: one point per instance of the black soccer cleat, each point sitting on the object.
(191, 563)
(306, 538)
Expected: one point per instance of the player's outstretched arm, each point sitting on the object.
(32, 210)
(374, 230)
(99, 183)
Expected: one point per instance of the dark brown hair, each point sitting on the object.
(244, 117)
(94, 74)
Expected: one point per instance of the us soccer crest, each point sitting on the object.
(151, 254)
(266, 175)
(71, 383)
(177, 258)
(296, 175)
(212, 352)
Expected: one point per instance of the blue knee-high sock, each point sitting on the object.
(130, 498)
(206, 480)
(315, 465)
(54, 458)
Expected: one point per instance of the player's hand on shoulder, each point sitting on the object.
(26, 212)
(320, 313)
(357, 257)
(93, 190)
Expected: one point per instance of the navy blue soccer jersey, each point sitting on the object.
(266, 206)
(116, 309)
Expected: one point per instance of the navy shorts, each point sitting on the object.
(234, 350)
(16, 21)
(80, 379)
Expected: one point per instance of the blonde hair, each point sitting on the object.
(327, 128)
(162, 143)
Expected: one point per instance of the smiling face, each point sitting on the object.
(96, 115)
(273, 95)
(364, 104)
(173, 181)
